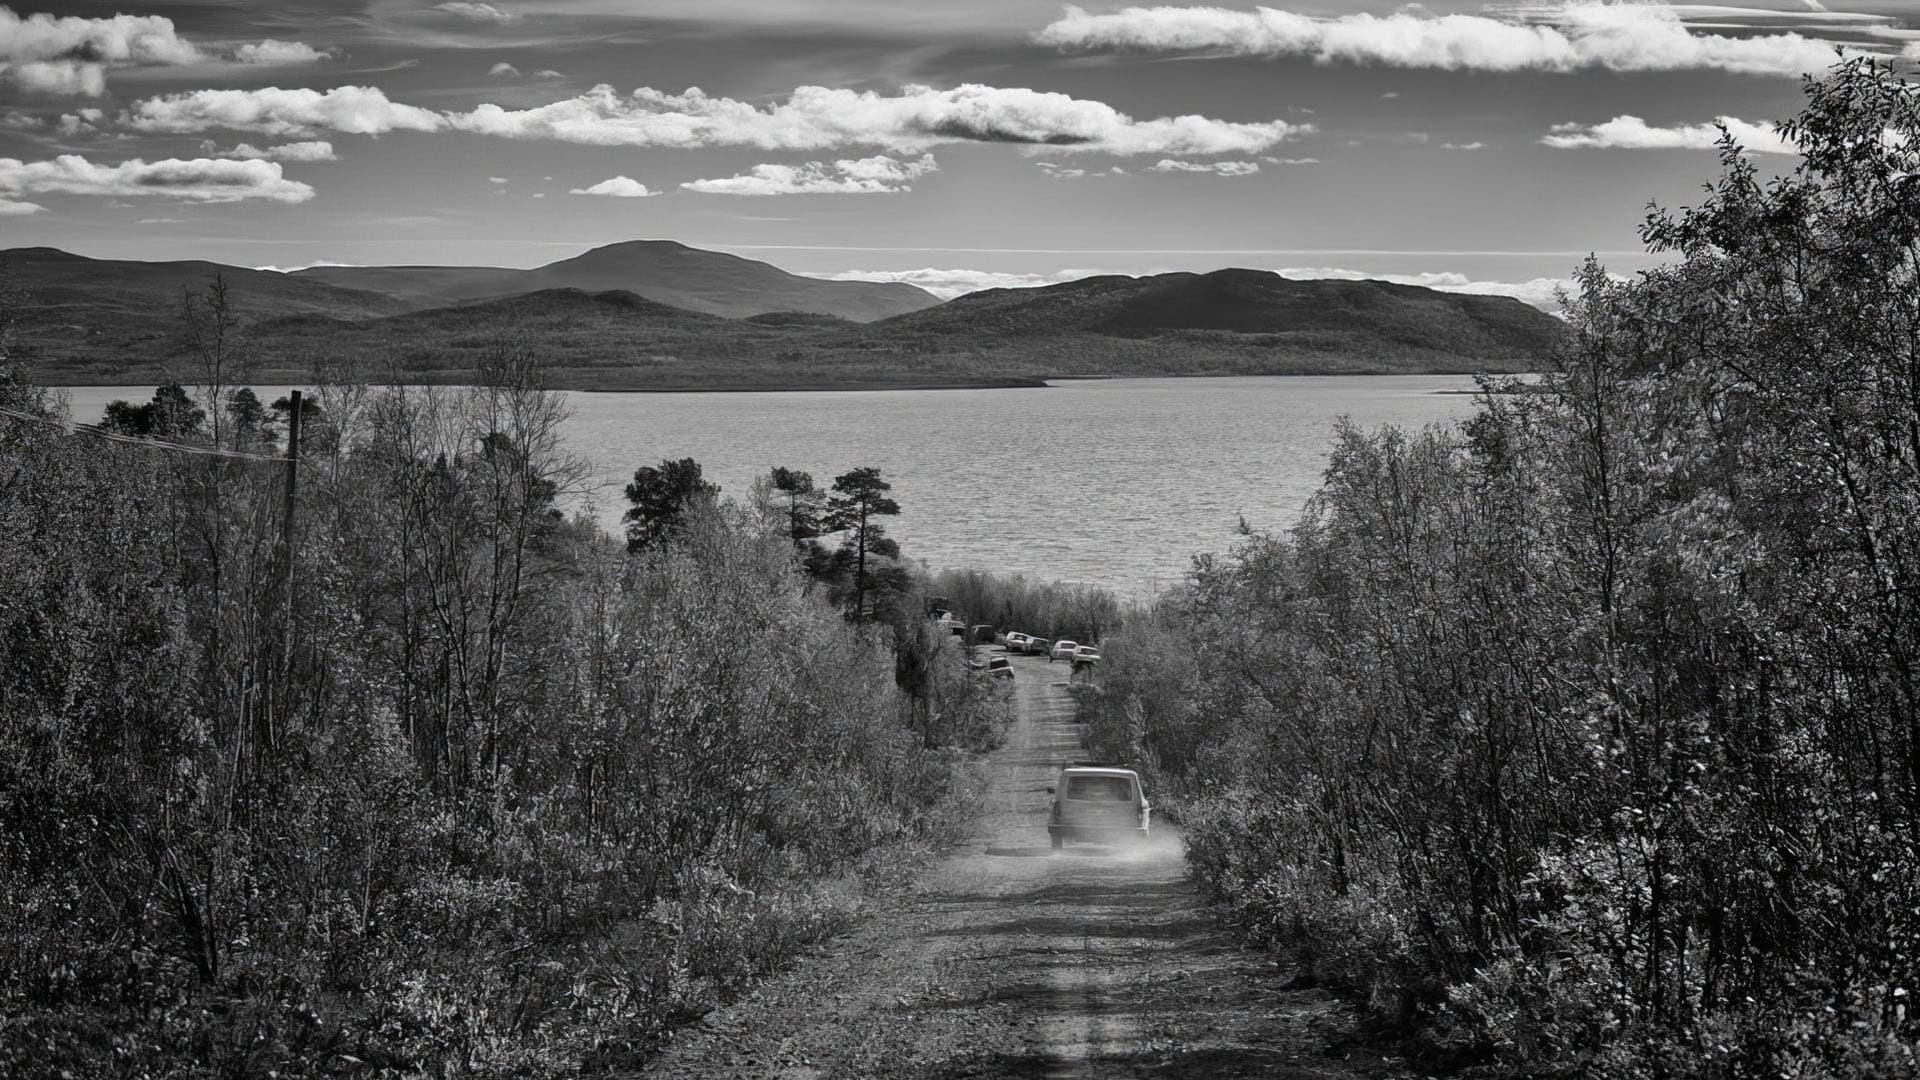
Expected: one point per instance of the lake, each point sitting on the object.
(1116, 482)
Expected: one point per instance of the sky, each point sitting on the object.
(956, 145)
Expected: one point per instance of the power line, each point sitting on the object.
(99, 432)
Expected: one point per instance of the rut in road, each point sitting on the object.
(1008, 960)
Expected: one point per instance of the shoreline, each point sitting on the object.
(1012, 382)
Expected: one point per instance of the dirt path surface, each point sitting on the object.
(1007, 960)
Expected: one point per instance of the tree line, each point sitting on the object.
(1582, 738)
(444, 781)
(864, 572)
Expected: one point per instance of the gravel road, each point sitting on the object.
(1007, 960)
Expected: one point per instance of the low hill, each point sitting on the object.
(102, 321)
(664, 270)
(1250, 306)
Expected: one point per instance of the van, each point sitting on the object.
(1102, 803)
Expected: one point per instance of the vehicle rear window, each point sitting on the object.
(1116, 788)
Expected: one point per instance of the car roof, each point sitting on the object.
(1100, 770)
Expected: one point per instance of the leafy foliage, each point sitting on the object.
(449, 786)
(661, 498)
(1582, 738)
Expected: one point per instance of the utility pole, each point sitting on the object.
(287, 545)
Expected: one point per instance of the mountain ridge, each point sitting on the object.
(713, 282)
(89, 323)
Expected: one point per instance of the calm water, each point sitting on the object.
(1117, 482)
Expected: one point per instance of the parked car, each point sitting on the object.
(1037, 646)
(1086, 654)
(1017, 641)
(1000, 667)
(1100, 803)
(1062, 650)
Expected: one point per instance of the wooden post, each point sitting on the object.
(286, 539)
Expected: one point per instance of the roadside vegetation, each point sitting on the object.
(1583, 738)
(1045, 609)
(449, 786)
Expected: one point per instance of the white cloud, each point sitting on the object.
(865, 176)
(812, 118)
(57, 78)
(70, 55)
(916, 119)
(1539, 292)
(947, 284)
(271, 53)
(197, 180)
(548, 73)
(504, 70)
(1070, 172)
(619, 187)
(80, 122)
(303, 266)
(1565, 37)
(496, 179)
(1633, 133)
(352, 110)
(1215, 168)
(12, 208)
(478, 12)
(1463, 146)
(296, 151)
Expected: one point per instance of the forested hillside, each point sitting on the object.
(1583, 738)
(590, 331)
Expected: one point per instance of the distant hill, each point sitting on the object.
(104, 321)
(1251, 306)
(672, 273)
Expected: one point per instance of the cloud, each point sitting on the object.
(1632, 133)
(1539, 292)
(496, 179)
(304, 266)
(866, 176)
(1564, 37)
(947, 284)
(812, 118)
(80, 122)
(198, 180)
(57, 78)
(620, 187)
(504, 70)
(70, 55)
(916, 119)
(351, 110)
(1463, 146)
(1215, 168)
(271, 53)
(11, 208)
(478, 12)
(297, 151)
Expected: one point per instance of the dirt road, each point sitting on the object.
(1008, 960)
